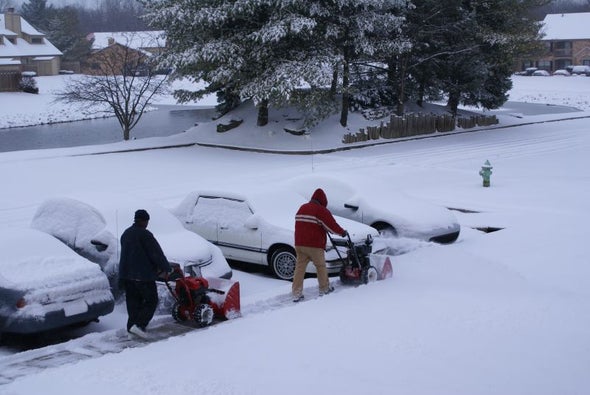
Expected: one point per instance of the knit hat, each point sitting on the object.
(141, 215)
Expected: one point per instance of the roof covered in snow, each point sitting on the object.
(566, 26)
(21, 47)
(135, 40)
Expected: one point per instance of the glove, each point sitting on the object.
(344, 234)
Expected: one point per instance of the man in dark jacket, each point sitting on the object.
(142, 261)
(312, 222)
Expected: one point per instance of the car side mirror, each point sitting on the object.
(100, 246)
(252, 222)
(351, 206)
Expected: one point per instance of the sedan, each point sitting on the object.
(258, 227)
(392, 214)
(45, 285)
(92, 226)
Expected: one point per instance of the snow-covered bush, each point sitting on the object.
(28, 84)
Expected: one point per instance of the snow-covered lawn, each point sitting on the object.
(497, 313)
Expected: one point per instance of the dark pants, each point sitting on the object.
(142, 300)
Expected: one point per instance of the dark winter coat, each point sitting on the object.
(313, 220)
(142, 257)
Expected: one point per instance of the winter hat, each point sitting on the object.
(142, 215)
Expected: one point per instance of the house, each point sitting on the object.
(118, 52)
(24, 48)
(567, 41)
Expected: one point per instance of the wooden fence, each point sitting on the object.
(9, 81)
(417, 124)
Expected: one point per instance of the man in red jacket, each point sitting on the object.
(312, 222)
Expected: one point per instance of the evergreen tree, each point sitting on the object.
(37, 13)
(63, 30)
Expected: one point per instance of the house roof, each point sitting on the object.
(134, 40)
(22, 47)
(566, 26)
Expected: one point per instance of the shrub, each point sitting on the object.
(28, 84)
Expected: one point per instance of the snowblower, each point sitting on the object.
(202, 300)
(360, 266)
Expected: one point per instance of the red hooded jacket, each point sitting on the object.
(313, 220)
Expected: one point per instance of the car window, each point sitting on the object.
(225, 212)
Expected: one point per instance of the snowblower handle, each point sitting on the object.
(216, 291)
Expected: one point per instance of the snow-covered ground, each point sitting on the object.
(495, 313)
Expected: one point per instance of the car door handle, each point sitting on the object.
(223, 227)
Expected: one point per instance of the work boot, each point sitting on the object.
(298, 298)
(140, 332)
(327, 291)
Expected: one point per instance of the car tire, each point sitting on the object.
(385, 229)
(282, 263)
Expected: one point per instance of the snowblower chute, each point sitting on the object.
(360, 266)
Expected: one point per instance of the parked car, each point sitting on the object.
(258, 227)
(92, 226)
(562, 72)
(581, 70)
(541, 73)
(392, 214)
(45, 285)
(530, 70)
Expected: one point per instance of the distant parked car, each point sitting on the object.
(258, 227)
(529, 71)
(581, 70)
(92, 226)
(562, 72)
(45, 285)
(393, 214)
(541, 73)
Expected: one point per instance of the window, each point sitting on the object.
(562, 48)
(544, 64)
(37, 40)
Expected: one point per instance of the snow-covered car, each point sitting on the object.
(581, 69)
(541, 73)
(258, 227)
(392, 214)
(45, 285)
(562, 72)
(92, 226)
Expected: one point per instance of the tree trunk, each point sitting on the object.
(453, 103)
(345, 95)
(126, 133)
(262, 113)
(401, 92)
(334, 85)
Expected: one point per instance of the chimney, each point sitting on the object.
(12, 21)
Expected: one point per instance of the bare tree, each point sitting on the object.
(122, 81)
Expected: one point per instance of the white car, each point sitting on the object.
(562, 72)
(258, 227)
(392, 214)
(541, 73)
(92, 226)
(45, 285)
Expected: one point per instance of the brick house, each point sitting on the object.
(567, 40)
(117, 52)
(24, 48)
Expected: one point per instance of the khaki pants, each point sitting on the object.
(304, 255)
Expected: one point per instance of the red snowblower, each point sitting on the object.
(202, 300)
(360, 266)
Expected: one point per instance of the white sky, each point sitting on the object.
(500, 313)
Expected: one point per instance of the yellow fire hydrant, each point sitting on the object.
(485, 173)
